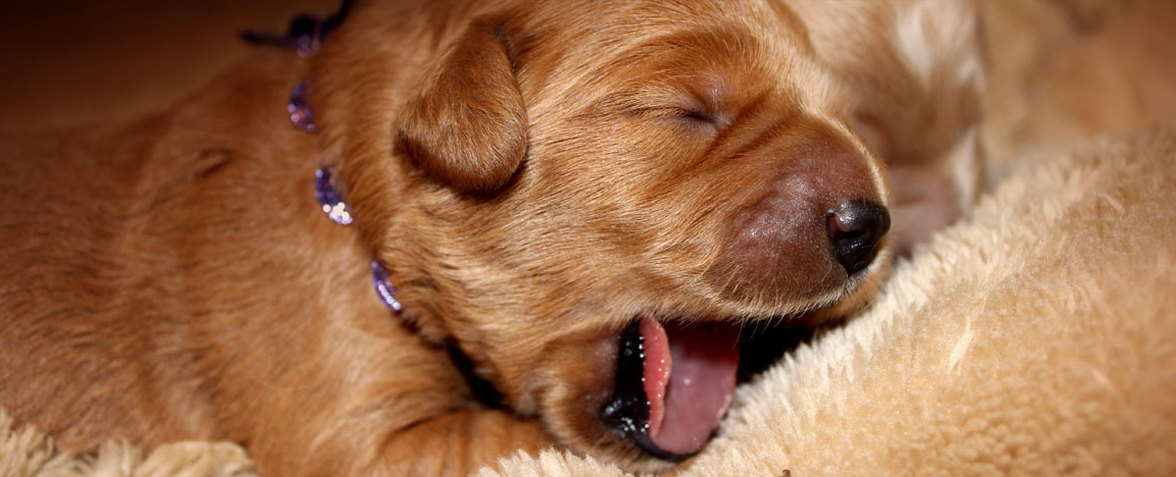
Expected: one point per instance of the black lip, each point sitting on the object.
(627, 413)
(765, 344)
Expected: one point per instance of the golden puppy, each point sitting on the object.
(914, 71)
(569, 211)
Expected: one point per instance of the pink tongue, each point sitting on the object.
(689, 375)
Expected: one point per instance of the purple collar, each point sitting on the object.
(336, 209)
(304, 35)
(332, 203)
(329, 197)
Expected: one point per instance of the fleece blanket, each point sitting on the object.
(1036, 338)
(26, 452)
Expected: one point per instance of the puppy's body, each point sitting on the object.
(141, 286)
(535, 177)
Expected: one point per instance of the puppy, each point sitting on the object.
(568, 211)
(915, 73)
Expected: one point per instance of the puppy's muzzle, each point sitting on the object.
(803, 234)
(813, 225)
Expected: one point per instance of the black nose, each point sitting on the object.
(855, 229)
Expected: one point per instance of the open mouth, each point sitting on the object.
(674, 384)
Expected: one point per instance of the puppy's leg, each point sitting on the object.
(365, 397)
(451, 444)
(459, 443)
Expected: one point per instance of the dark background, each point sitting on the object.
(69, 62)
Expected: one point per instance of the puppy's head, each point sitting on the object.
(915, 77)
(591, 202)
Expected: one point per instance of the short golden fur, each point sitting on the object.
(533, 174)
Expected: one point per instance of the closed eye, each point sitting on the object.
(688, 117)
(696, 115)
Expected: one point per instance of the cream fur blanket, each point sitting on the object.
(1037, 338)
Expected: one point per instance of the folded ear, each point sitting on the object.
(467, 127)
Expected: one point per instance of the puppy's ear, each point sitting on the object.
(467, 128)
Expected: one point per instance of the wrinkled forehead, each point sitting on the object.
(629, 44)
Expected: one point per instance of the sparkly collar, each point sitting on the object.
(333, 205)
(304, 36)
